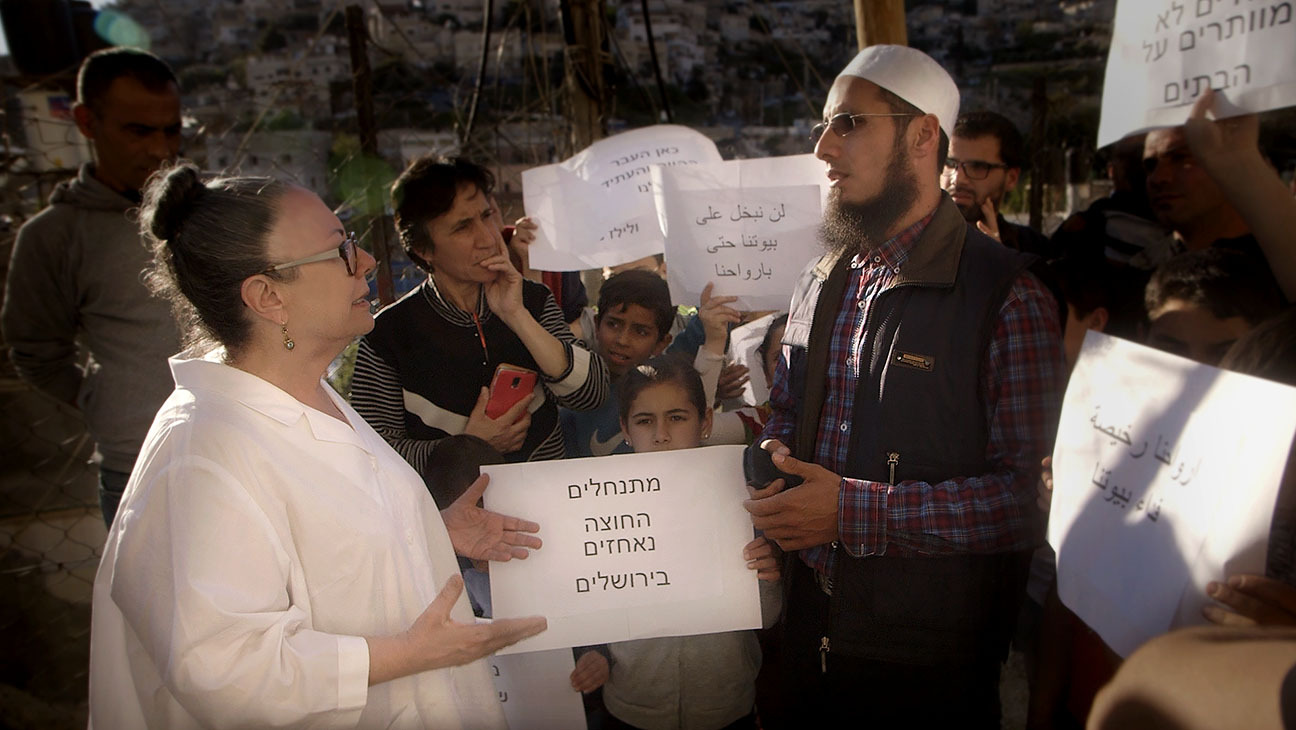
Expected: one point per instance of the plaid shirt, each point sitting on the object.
(1023, 380)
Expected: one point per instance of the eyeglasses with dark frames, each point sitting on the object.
(345, 251)
(844, 123)
(974, 169)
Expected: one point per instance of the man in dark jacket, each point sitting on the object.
(920, 379)
(985, 160)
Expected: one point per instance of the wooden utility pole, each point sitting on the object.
(362, 86)
(880, 21)
(1039, 128)
(584, 94)
(584, 58)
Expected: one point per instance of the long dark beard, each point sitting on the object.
(850, 228)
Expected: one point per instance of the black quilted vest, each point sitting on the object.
(919, 414)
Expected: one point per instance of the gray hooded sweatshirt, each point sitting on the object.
(76, 282)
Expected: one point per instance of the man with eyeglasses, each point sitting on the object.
(984, 164)
(920, 376)
(75, 283)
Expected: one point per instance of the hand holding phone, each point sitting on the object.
(758, 467)
(510, 385)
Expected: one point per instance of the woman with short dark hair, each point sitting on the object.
(274, 562)
(425, 370)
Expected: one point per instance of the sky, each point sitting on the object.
(4, 43)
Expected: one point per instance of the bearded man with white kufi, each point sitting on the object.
(920, 377)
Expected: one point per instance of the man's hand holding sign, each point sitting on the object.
(1229, 151)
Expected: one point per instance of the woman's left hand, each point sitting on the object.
(484, 535)
(504, 292)
(763, 556)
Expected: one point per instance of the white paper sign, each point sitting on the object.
(596, 209)
(535, 690)
(635, 546)
(749, 226)
(1165, 474)
(744, 349)
(1165, 53)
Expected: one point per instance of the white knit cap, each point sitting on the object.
(911, 75)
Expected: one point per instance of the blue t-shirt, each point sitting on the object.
(594, 433)
(689, 337)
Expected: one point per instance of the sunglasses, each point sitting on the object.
(844, 123)
(974, 169)
(345, 251)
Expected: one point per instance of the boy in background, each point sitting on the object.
(1199, 303)
(632, 325)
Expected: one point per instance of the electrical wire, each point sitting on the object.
(488, 11)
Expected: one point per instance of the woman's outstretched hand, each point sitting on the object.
(480, 534)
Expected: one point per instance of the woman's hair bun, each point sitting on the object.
(169, 196)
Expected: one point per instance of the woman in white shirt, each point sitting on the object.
(274, 562)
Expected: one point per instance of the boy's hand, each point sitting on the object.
(716, 315)
(731, 381)
(591, 672)
(763, 557)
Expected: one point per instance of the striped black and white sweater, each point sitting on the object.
(419, 372)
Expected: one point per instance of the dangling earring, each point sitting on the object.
(288, 343)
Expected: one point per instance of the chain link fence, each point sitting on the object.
(51, 534)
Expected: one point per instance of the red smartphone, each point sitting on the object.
(510, 385)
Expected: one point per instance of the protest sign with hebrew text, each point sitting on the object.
(635, 546)
(595, 209)
(1165, 53)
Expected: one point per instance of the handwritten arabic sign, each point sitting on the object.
(635, 546)
(726, 223)
(596, 209)
(1165, 474)
(535, 690)
(1165, 53)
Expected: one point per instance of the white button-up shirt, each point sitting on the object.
(258, 541)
